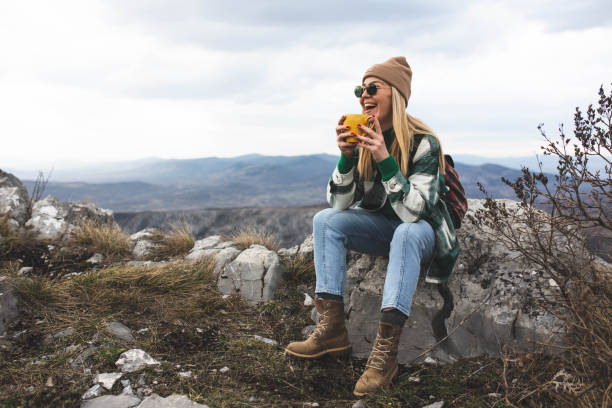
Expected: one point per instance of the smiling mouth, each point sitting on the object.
(369, 107)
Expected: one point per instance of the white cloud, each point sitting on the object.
(98, 80)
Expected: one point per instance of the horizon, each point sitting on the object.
(107, 81)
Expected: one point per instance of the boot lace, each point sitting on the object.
(318, 331)
(380, 353)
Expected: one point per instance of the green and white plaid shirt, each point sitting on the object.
(412, 197)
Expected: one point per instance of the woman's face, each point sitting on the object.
(378, 104)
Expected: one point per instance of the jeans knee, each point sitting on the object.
(321, 218)
(415, 234)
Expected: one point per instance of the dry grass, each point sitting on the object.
(252, 235)
(176, 242)
(5, 231)
(107, 239)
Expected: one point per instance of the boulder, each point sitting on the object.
(112, 401)
(141, 243)
(134, 360)
(14, 201)
(9, 304)
(494, 294)
(53, 219)
(254, 274)
(222, 251)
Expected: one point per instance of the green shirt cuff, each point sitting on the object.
(345, 164)
(387, 168)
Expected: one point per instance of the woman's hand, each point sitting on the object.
(374, 141)
(347, 148)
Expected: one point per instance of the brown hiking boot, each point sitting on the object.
(329, 337)
(382, 364)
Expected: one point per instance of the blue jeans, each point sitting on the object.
(408, 246)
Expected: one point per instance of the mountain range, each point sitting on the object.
(244, 181)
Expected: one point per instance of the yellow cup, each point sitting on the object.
(352, 120)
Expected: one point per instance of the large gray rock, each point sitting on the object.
(9, 304)
(494, 303)
(254, 274)
(172, 401)
(13, 200)
(134, 360)
(222, 251)
(53, 219)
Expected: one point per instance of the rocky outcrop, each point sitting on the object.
(13, 200)
(53, 219)
(254, 274)
(494, 304)
(141, 243)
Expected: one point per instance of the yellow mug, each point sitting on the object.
(352, 120)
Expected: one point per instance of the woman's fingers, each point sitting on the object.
(340, 129)
(341, 121)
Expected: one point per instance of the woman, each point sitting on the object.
(396, 175)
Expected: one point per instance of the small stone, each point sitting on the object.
(310, 404)
(494, 395)
(185, 374)
(125, 383)
(95, 259)
(438, 404)
(30, 389)
(224, 370)
(93, 392)
(266, 340)
(308, 301)
(553, 283)
(120, 331)
(414, 379)
(112, 401)
(83, 357)
(430, 361)
(50, 382)
(155, 382)
(359, 404)
(107, 380)
(141, 331)
(127, 390)
(252, 399)
(26, 270)
(134, 360)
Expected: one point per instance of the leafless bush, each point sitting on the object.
(252, 235)
(550, 227)
(40, 185)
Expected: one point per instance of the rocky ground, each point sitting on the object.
(92, 317)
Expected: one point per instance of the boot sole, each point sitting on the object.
(385, 387)
(338, 351)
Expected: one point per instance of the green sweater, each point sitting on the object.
(409, 197)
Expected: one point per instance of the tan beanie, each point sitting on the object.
(396, 72)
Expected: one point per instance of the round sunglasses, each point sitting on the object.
(372, 88)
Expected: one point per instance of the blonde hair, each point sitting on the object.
(405, 127)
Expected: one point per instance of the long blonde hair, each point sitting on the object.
(405, 127)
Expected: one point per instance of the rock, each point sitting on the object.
(53, 219)
(224, 370)
(25, 271)
(146, 263)
(311, 404)
(14, 201)
(172, 401)
(308, 300)
(438, 404)
(120, 331)
(127, 390)
(306, 249)
(307, 331)
(266, 340)
(83, 358)
(107, 380)
(222, 251)
(359, 404)
(141, 243)
(494, 296)
(93, 392)
(95, 259)
(10, 307)
(288, 252)
(414, 379)
(185, 374)
(134, 360)
(430, 361)
(254, 274)
(112, 401)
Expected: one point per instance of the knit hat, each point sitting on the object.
(396, 72)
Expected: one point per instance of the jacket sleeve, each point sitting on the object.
(414, 196)
(341, 189)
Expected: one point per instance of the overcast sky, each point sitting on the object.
(90, 81)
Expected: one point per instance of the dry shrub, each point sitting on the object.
(576, 204)
(176, 242)
(105, 238)
(251, 235)
(39, 291)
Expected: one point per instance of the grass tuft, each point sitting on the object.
(176, 242)
(107, 239)
(252, 235)
(38, 291)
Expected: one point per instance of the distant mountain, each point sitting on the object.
(245, 181)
